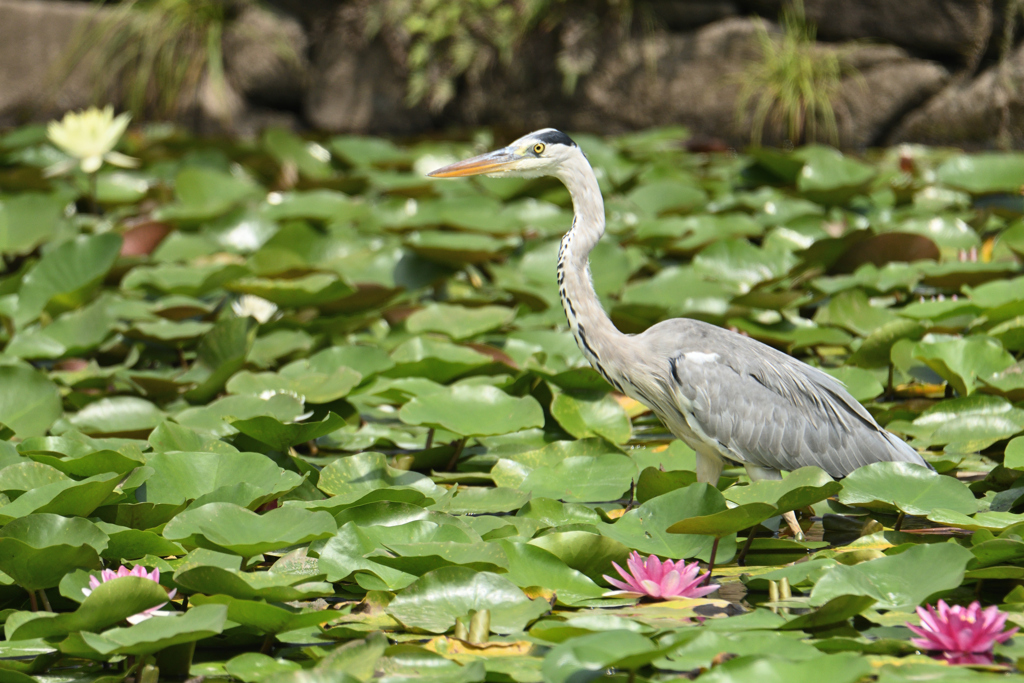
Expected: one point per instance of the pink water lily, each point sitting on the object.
(139, 571)
(964, 635)
(662, 580)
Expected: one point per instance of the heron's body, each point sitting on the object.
(729, 397)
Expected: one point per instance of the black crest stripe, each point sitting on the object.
(555, 137)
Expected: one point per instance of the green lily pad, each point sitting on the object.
(434, 601)
(473, 410)
(584, 551)
(667, 196)
(109, 604)
(117, 416)
(27, 220)
(66, 277)
(725, 522)
(266, 618)
(897, 582)
(151, 635)
(828, 177)
(282, 436)
(578, 478)
(992, 521)
(874, 351)
(968, 424)
(845, 667)
(38, 550)
(253, 667)
(435, 360)
(311, 160)
(25, 476)
(29, 402)
(458, 322)
(187, 476)
(205, 193)
(268, 586)
(587, 657)
(134, 544)
(67, 497)
(983, 173)
(962, 361)
(800, 488)
(645, 528)
(585, 414)
(222, 352)
(350, 478)
(529, 565)
(234, 529)
(213, 417)
(908, 488)
(299, 378)
(89, 464)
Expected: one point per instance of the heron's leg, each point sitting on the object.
(764, 474)
(709, 467)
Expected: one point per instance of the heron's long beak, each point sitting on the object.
(492, 162)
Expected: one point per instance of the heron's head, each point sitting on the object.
(540, 153)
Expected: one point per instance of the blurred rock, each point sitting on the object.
(265, 58)
(692, 79)
(356, 86)
(33, 37)
(973, 113)
(685, 15)
(890, 84)
(688, 78)
(932, 28)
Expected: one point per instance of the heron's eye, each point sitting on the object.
(538, 148)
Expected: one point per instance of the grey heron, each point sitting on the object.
(729, 397)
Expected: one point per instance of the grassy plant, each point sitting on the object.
(1011, 14)
(443, 40)
(794, 84)
(150, 55)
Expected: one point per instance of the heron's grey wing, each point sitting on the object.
(760, 406)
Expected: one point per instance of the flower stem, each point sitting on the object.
(32, 600)
(94, 206)
(137, 669)
(711, 562)
(742, 557)
(459, 445)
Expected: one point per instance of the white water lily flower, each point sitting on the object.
(89, 136)
(252, 306)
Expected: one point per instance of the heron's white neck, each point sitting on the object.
(594, 331)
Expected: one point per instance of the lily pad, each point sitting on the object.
(230, 528)
(350, 478)
(435, 600)
(908, 488)
(109, 604)
(38, 550)
(29, 402)
(151, 635)
(268, 586)
(473, 410)
(897, 582)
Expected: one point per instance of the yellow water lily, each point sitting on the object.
(89, 137)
